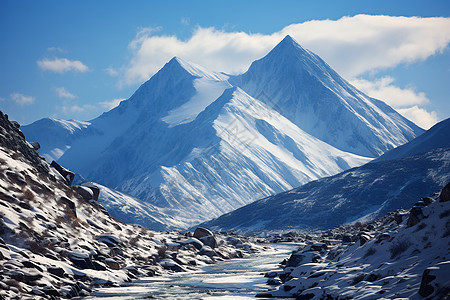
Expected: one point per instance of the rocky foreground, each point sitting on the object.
(56, 242)
(405, 254)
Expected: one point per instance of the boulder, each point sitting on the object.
(273, 281)
(94, 188)
(298, 258)
(57, 271)
(67, 174)
(112, 264)
(82, 263)
(436, 281)
(206, 250)
(364, 238)
(415, 216)
(85, 192)
(70, 204)
(202, 232)
(209, 240)
(36, 146)
(445, 193)
(51, 291)
(194, 242)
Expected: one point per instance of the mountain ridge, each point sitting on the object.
(196, 145)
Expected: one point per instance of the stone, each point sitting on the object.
(273, 281)
(415, 216)
(82, 263)
(70, 204)
(85, 192)
(425, 288)
(67, 174)
(94, 188)
(206, 250)
(364, 238)
(435, 281)
(271, 274)
(112, 264)
(99, 266)
(57, 271)
(36, 146)
(202, 232)
(30, 264)
(194, 242)
(209, 240)
(17, 178)
(51, 291)
(445, 193)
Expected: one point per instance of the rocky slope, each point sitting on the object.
(57, 241)
(404, 254)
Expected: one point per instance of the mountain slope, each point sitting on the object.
(54, 135)
(361, 193)
(246, 151)
(437, 136)
(302, 87)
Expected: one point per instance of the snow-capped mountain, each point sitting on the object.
(364, 192)
(302, 87)
(196, 146)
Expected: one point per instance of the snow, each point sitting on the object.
(207, 92)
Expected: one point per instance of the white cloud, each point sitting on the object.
(111, 71)
(351, 45)
(404, 100)
(61, 65)
(395, 96)
(185, 21)
(55, 49)
(21, 99)
(63, 93)
(420, 116)
(111, 104)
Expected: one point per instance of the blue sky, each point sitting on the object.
(76, 59)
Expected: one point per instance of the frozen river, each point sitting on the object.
(231, 279)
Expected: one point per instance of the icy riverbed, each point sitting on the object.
(231, 279)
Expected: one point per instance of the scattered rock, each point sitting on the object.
(57, 271)
(209, 240)
(202, 232)
(445, 193)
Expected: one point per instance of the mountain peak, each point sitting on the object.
(194, 69)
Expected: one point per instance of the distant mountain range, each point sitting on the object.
(358, 194)
(193, 144)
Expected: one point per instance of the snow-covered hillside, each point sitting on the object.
(361, 193)
(54, 135)
(403, 255)
(302, 87)
(194, 146)
(437, 136)
(365, 192)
